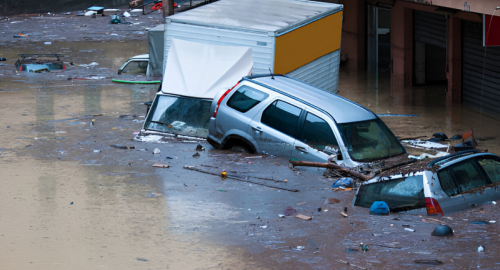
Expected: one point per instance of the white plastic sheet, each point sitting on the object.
(202, 70)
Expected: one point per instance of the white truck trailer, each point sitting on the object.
(294, 37)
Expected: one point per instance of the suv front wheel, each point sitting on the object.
(238, 144)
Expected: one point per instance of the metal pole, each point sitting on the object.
(376, 47)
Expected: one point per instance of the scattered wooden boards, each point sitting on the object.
(161, 165)
(342, 189)
(304, 217)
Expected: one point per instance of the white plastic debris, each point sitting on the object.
(425, 155)
(263, 227)
(281, 215)
(90, 13)
(480, 249)
(126, 14)
(156, 151)
(299, 248)
(493, 202)
(90, 65)
(410, 230)
(47, 43)
(492, 221)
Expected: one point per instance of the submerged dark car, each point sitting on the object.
(39, 63)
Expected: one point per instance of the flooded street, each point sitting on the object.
(82, 196)
(427, 104)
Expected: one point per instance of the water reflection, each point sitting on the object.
(92, 99)
(427, 102)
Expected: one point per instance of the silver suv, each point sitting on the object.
(277, 115)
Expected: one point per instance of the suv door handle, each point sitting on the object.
(301, 149)
(258, 129)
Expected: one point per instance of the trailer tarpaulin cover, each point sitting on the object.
(202, 70)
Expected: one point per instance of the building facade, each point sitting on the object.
(423, 42)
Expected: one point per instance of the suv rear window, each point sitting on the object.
(282, 116)
(400, 194)
(246, 98)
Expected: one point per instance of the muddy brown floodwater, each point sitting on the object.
(81, 196)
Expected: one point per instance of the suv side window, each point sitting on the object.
(447, 184)
(491, 167)
(246, 98)
(467, 176)
(282, 116)
(318, 133)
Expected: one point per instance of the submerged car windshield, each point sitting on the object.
(179, 115)
(369, 140)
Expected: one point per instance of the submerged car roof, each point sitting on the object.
(451, 159)
(140, 56)
(341, 109)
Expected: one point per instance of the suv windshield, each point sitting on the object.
(369, 140)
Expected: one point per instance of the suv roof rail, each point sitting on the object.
(24, 55)
(452, 156)
(262, 75)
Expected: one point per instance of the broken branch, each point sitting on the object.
(332, 166)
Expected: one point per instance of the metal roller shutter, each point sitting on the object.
(430, 32)
(430, 28)
(480, 89)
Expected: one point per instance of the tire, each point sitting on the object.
(239, 149)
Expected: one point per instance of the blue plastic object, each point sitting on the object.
(343, 183)
(379, 208)
(95, 8)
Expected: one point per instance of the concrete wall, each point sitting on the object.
(354, 35)
(13, 7)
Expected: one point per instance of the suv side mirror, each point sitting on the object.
(334, 152)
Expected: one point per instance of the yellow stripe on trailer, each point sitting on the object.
(307, 43)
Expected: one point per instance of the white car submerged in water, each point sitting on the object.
(449, 184)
